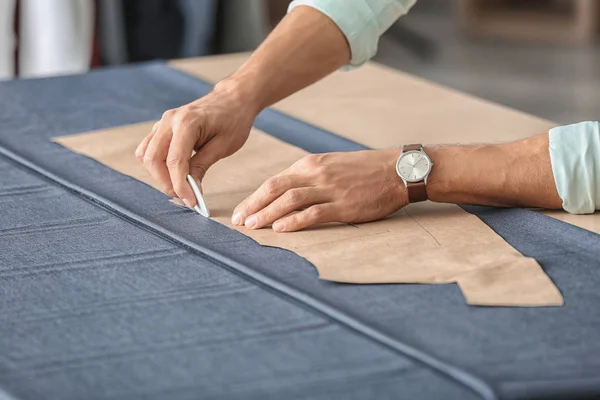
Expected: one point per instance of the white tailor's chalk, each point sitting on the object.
(201, 206)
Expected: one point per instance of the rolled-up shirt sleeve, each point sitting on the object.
(361, 21)
(575, 157)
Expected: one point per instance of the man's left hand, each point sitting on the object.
(348, 187)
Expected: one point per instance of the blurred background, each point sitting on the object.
(539, 56)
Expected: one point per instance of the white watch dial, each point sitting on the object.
(413, 166)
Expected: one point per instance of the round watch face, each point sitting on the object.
(413, 166)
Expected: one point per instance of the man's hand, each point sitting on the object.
(305, 47)
(363, 186)
(215, 126)
(335, 187)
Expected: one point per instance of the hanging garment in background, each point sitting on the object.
(56, 37)
(199, 27)
(245, 24)
(154, 29)
(7, 39)
(139, 30)
(111, 32)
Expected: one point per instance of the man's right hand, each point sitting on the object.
(214, 126)
(305, 47)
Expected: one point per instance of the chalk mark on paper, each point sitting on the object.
(422, 227)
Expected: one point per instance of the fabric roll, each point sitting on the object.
(56, 37)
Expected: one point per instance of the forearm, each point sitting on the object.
(510, 174)
(305, 47)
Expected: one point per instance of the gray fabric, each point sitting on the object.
(522, 353)
(96, 306)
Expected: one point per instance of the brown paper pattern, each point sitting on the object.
(423, 243)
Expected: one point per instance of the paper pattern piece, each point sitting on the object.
(423, 243)
(381, 107)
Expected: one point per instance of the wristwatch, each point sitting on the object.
(413, 167)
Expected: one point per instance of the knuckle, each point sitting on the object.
(181, 117)
(320, 170)
(311, 160)
(174, 161)
(316, 213)
(186, 116)
(272, 185)
(167, 115)
(149, 159)
(294, 196)
(315, 164)
(302, 163)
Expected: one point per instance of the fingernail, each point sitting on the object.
(237, 218)
(251, 222)
(278, 226)
(188, 203)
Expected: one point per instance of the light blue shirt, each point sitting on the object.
(575, 157)
(361, 21)
(574, 149)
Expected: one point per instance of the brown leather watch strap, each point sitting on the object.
(411, 147)
(417, 191)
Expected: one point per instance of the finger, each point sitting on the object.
(292, 200)
(209, 154)
(317, 214)
(156, 155)
(198, 166)
(185, 137)
(265, 195)
(141, 149)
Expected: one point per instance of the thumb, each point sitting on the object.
(204, 158)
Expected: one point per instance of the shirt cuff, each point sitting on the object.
(575, 158)
(361, 21)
